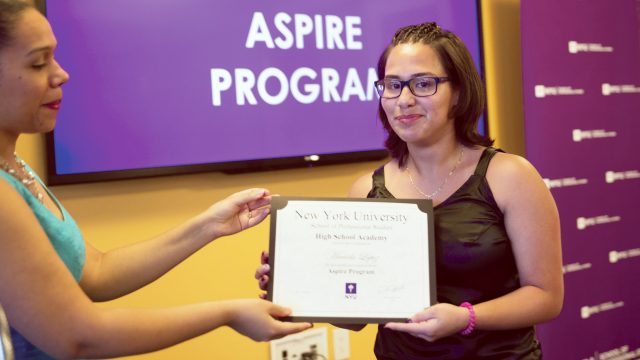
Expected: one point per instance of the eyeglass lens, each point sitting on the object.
(419, 86)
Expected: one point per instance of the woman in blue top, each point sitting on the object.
(497, 230)
(50, 276)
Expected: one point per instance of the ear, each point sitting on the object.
(455, 94)
(454, 98)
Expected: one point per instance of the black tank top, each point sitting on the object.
(474, 263)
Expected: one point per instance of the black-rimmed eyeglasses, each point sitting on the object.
(419, 86)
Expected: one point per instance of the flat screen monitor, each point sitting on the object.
(167, 87)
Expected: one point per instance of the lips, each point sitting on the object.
(54, 105)
(408, 119)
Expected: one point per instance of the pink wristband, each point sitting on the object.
(472, 319)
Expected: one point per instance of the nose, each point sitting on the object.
(406, 97)
(59, 76)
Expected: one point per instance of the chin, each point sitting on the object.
(407, 136)
(45, 126)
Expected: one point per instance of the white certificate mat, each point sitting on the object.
(351, 260)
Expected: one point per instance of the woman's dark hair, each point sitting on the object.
(462, 73)
(10, 11)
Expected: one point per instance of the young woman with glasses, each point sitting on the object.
(497, 232)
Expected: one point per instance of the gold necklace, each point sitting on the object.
(437, 191)
(23, 175)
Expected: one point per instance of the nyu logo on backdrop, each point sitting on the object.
(579, 135)
(570, 181)
(611, 176)
(577, 266)
(583, 222)
(543, 91)
(608, 89)
(614, 256)
(587, 311)
(576, 47)
(620, 353)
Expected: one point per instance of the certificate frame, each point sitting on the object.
(365, 231)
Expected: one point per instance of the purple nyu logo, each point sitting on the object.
(351, 290)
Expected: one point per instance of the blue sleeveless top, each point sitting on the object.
(67, 240)
(474, 263)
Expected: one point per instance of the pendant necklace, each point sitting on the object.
(23, 175)
(444, 182)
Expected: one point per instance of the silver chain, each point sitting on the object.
(444, 182)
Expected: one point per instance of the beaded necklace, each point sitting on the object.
(23, 175)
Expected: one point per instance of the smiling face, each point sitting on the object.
(30, 78)
(418, 120)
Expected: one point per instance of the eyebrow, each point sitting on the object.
(39, 49)
(412, 76)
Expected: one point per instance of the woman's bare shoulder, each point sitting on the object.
(513, 178)
(361, 187)
(363, 184)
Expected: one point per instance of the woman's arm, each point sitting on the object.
(45, 304)
(118, 272)
(533, 225)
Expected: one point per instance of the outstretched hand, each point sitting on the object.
(434, 322)
(257, 319)
(238, 211)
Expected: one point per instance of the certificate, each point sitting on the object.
(351, 261)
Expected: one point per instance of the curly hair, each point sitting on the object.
(462, 73)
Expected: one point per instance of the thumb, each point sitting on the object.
(297, 327)
(279, 311)
(249, 195)
(424, 315)
(291, 328)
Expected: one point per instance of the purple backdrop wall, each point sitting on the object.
(581, 78)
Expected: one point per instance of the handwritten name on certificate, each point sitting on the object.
(352, 260)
